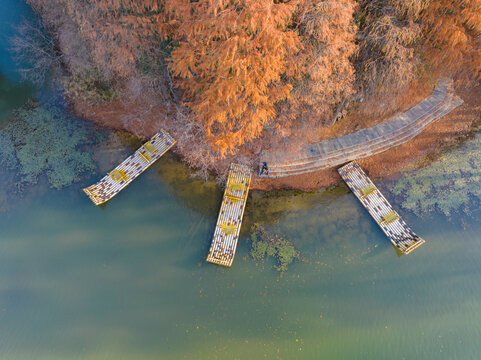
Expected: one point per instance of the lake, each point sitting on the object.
(129, 280)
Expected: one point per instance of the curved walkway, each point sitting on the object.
(366, 142)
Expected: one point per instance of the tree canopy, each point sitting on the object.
(240, 67)
(230, 62)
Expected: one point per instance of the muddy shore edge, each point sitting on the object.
(442, 133)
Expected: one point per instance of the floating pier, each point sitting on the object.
(224, 243)
(130, 168)
(382, 212)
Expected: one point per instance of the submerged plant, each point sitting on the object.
(450, 184)
(271, 245)
(8, 160)
(46, 140)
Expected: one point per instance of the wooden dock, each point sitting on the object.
(226, 234)
(130, 168)
(382, 212)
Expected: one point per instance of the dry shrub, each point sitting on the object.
(90, 86)
(409, 9)
(451, 30)
(112, 30)
(326, 77)
(196, 152)
(387, 63)
(34, 49)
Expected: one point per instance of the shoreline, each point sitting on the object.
(436, 137)
(442, 133)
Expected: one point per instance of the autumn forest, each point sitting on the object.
(237, 76)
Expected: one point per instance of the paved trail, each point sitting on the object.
(366, 142)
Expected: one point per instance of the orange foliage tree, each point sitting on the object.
(326, 77)
(452, 29)
(230, 61)
(243, 64)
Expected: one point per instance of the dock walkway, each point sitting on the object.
(226, 234)
(379, 208)
(130, 168)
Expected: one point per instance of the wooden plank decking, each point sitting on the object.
(111, 184)
(382, 212)
(226, 234)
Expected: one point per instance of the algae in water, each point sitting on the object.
(450, 184)
(8, 160)
(46, 140)
(271, 245)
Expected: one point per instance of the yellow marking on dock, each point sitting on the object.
(145, 156)
(365, 191)
(226, 234)
(149, 147)
(389, 217)
(379, 208)
(234, 198)
(118, 175)
(228, 229)
(111, 184)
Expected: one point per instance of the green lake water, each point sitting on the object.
(129, 280)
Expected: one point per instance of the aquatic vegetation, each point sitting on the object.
(46, 140)
(267, 244)
(450, 184)
(8, 159)
(129, 139)
(189, 188)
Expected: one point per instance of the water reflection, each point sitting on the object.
(12, 96)
(192, 191)
(131, 281)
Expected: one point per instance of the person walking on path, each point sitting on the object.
(264, 168)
